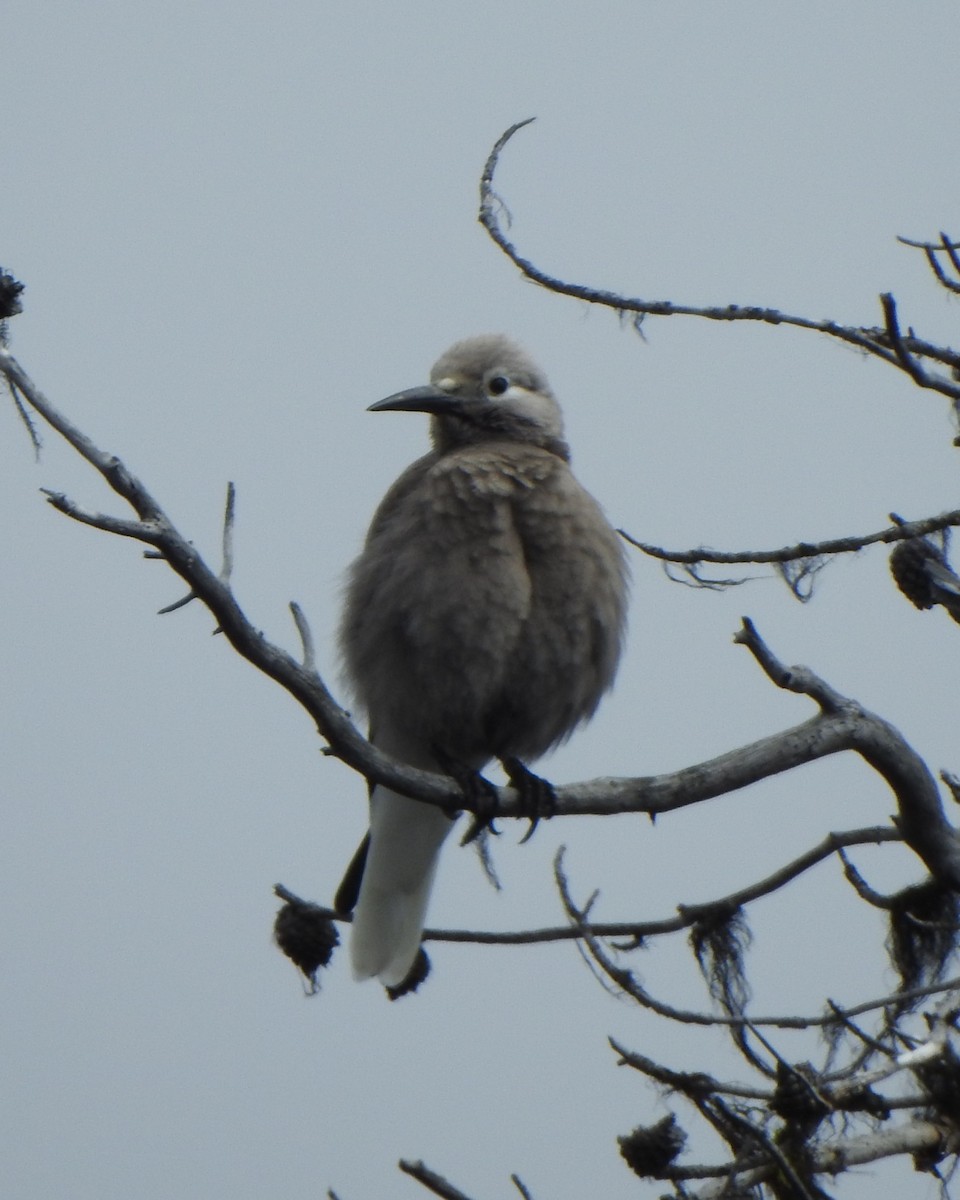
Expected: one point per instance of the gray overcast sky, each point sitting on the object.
(242, 223)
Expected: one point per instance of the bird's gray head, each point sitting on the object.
(485, 389)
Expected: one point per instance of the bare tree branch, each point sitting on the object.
(688, 1083)
(431, 1180)
(883, 343)
(141, 531)
(861, 887)
(917, 1137)
(931, 249)
(157, 530)
(899, 531)
(801, 1102)
(226, 561)
(920, 818)
(687, 914)
(798, 564)
(626, 981)
(306, 636)
(907, 352)
(521, 1187)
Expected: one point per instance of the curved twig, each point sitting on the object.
(883, 343)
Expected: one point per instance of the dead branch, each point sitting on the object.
(916, 1137)
(155, 529)
(886, 343)
(920, 818)
(799, 551)
(687, 914)
(946, 246)
(431, 1180)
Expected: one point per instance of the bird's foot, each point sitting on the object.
(537, 796)
(484, 802)
(480, 795)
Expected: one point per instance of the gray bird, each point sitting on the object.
(483, 619)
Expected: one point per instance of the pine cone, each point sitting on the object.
(797, 1095)
(908, 566)
(649, 1149)
(307, 936)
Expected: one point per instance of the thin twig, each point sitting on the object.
(521, 1187)
(226, 562)
(904, 357)
(900, 531)
(229, 518)
(871, 1043)
(688, 1083)
(688, 915)
(141, 531)
(306, 636)
(432, 1181)
(861, 887)
(931, 250)
(22, 412)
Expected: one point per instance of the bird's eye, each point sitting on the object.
(498, 385)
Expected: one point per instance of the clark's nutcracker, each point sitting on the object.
(483, 619)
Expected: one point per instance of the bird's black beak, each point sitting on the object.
(420, 399)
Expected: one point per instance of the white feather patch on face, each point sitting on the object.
(534, 407)
(447, 384)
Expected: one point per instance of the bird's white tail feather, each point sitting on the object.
(405, 841)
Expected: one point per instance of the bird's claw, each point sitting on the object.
(537, 796)
(480, 795)
(484, 803)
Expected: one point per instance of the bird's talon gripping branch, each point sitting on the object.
(480, 796)
(538, 798)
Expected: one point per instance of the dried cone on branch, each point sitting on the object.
(650, 1149)
(307, 936)
(921, 572)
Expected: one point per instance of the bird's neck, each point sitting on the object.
(450, 434)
